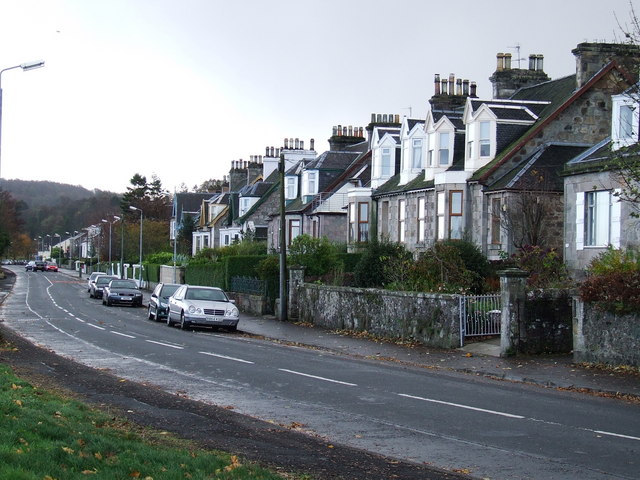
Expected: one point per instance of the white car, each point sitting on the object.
(92, 279)
(192, 305)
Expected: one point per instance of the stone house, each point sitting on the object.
(596, 216)
(485, 159)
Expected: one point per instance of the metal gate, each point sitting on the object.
(479, 316)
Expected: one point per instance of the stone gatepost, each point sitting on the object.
(296, 278)
(513, 282)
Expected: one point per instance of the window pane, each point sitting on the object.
(417, 153)
(386, 162)
(363, 212)
(444, 149)
(626, 121)
(456, 203)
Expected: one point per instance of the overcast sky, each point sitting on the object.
(180, 88)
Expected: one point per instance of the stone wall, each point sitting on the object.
(429, 318)
(546, 326)
(603, 337)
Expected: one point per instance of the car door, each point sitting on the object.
(175, 301)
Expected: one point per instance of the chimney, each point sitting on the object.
(297, 144)
(506, 80)
(443, 84)
(507, 61)
(465, 87)
(312, 142)
(459, 86)
(473, 90)
(500, 62)
(452, 81)
(436, 84)
(286, 143)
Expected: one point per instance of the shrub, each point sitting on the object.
(613, 281)
(474, 261)
(160, 258)
(318, 255)
(545, 266)
(442, 269)
(372, 270)
(269, 267)
(615, 260)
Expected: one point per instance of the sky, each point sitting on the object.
(181, 88)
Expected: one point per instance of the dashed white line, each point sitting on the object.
(165, 344)
(319, 378)
(122, 334)
(611, 434)
(96, 326)
(227, 358)
(466, 407)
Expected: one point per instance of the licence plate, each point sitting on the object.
(213, 319)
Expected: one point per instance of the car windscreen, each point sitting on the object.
(102, 280)
(168, 290)
(206, 294)
(123, 284)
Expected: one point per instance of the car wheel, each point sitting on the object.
(233, 328)
(108, 302)
(91, 295)
(150, 315)
(183, 324)
(103, 302)
(169, 321)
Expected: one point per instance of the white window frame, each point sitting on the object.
(416, 153)
(484, 133)
(440, 215)
(444, 150)
(385, 162)
(598, 219)
(291, 192)
(421, 219)
(402, 217)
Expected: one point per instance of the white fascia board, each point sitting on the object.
(458, 176)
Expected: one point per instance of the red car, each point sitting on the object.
(52, 267)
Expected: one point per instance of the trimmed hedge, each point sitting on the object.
(151, 272)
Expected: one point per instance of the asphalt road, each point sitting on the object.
(455, 422)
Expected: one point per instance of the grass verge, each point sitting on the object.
(44, 436)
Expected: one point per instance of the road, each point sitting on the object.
(491, 429)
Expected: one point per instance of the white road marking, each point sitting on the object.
(165, 344)
(96, 326)
(319, 378)
(226, 357)
(466, 407)
(629, 437)
(122, 334)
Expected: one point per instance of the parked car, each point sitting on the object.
(35, 265)
(92, 279)
(95, 291)
(121, 292)
(51, 267)
(159, 300)
(192, 305)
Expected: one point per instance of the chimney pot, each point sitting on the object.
(379, 118)
(350, 130)
(500, 61)
(436, 84)
(373, 118)
(459, 86)
(507, 61)
(473, 90)
(312, 142)
(465, 87)
(444, 86)
(452, 81)
(297, 143)
(532, 62)
(301, 144)
(397, 118)
(339, 130)
(286, 143)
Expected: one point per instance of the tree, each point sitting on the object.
(626, 160)
(151, 197)
(529, 215)
(185, 234)
(10, 223)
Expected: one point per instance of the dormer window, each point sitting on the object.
(485, 139)
(416, 153)
(385, 164)
(312, 183)
(443, 152)
(291, 188)
(625, 127)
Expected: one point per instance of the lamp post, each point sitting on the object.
(115, 219)
(25, 67)
(59, 247)
(131, 207)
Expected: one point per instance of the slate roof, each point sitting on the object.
(188, 202)
(541, 170)
(557, 92)
(412, 122)
(393, 187)
(256, 190)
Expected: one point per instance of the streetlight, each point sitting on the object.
(131, 207)
(115, 219)
(25, 67)
(59, 247)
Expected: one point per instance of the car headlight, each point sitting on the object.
(194, 309)
(231, 312)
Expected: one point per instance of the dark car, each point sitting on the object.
(121, 292)
(159, 301)
(35, 265)
(95, 290)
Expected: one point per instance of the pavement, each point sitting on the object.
(478, 359)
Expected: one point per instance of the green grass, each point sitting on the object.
(46, 436)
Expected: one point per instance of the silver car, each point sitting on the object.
(192, 305)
